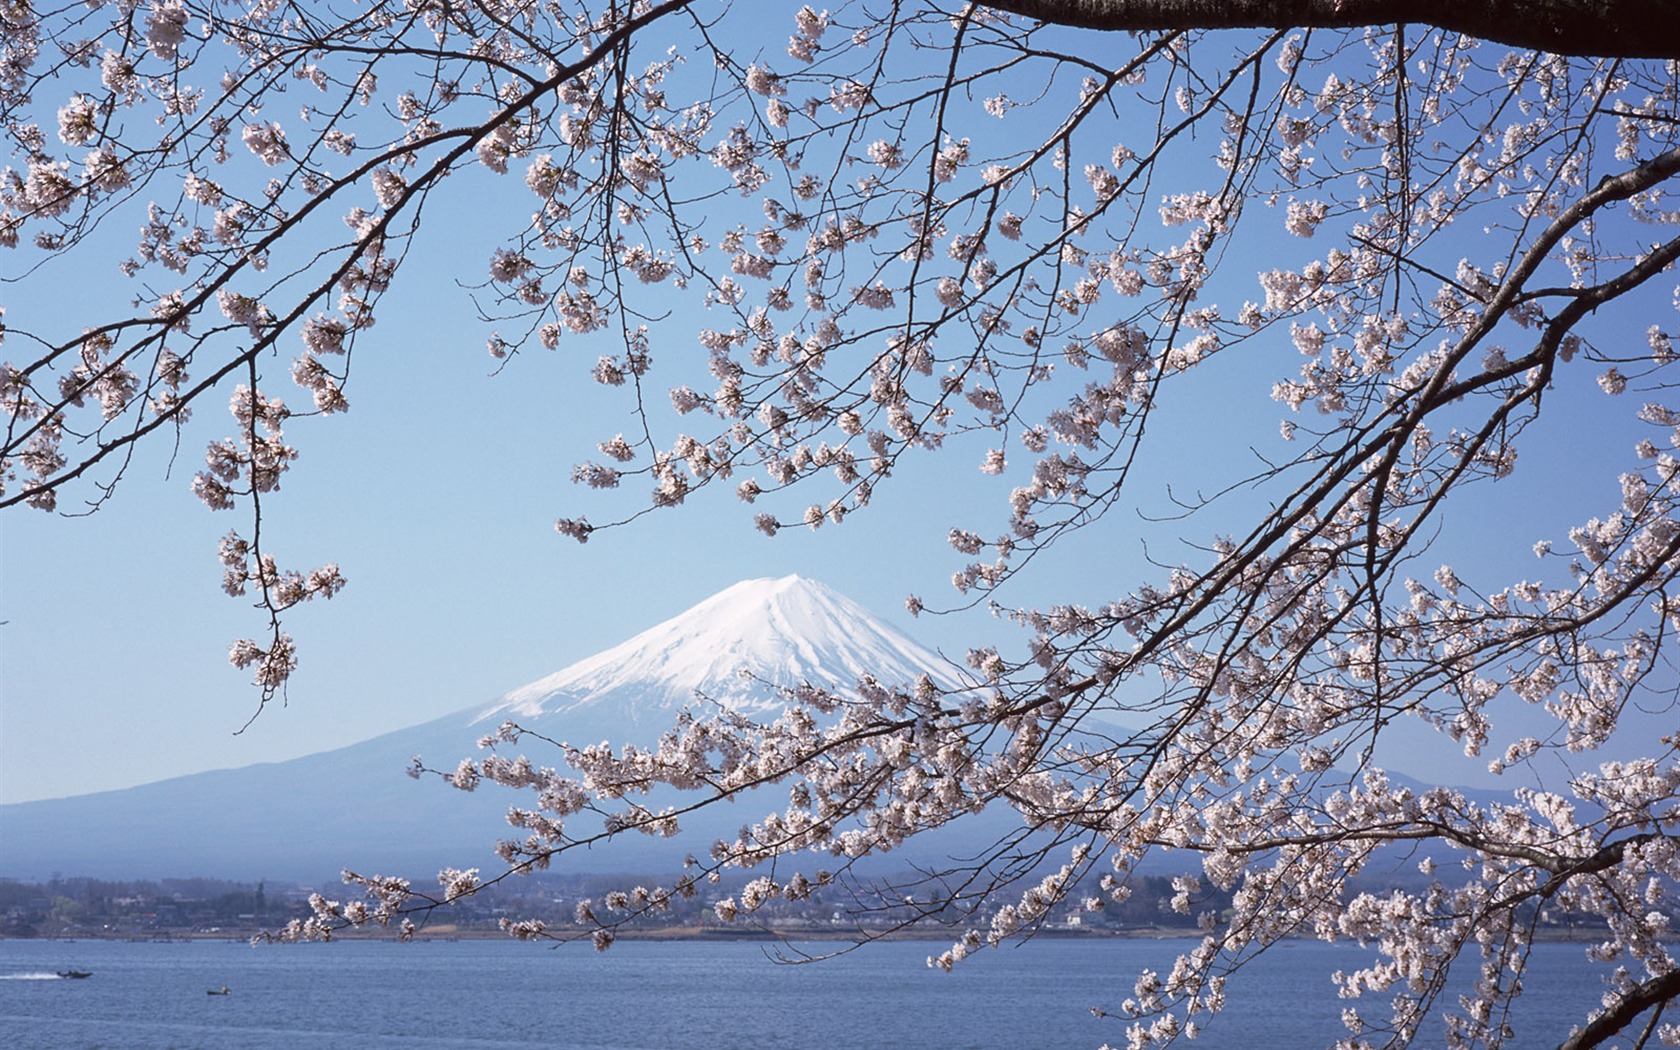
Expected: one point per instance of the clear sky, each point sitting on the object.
(437, 492)
(115, 644)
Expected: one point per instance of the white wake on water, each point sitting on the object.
(32, 977)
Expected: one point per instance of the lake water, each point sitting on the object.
(646, 995)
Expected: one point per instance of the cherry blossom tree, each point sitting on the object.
(1027, 229)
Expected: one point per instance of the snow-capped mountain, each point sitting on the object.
(354, 807)
(731, 649)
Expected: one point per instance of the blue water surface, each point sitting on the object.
(649, 995)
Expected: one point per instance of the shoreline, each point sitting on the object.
(706, 933)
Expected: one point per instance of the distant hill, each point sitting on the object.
(354, 807)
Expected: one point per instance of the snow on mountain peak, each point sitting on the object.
(785, 631)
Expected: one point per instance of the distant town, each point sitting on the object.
(191, 908)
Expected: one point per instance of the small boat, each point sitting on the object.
(213, 991)
(76, 974)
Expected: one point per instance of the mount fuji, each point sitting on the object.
(735, 648)
(353, 807)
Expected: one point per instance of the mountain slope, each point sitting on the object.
(354, 807)
(784, 632)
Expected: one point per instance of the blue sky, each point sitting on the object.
(114, 653)
(436, 494)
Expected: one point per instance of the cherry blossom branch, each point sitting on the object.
(1656, 992)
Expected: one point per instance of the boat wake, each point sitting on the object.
(44, 976)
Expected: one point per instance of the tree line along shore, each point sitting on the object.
(207, 908)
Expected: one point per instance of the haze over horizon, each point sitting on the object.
(353, 805)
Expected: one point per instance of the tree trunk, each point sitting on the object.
(1607, 28)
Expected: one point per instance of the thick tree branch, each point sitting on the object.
(1607, 28)
(1654, 992)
